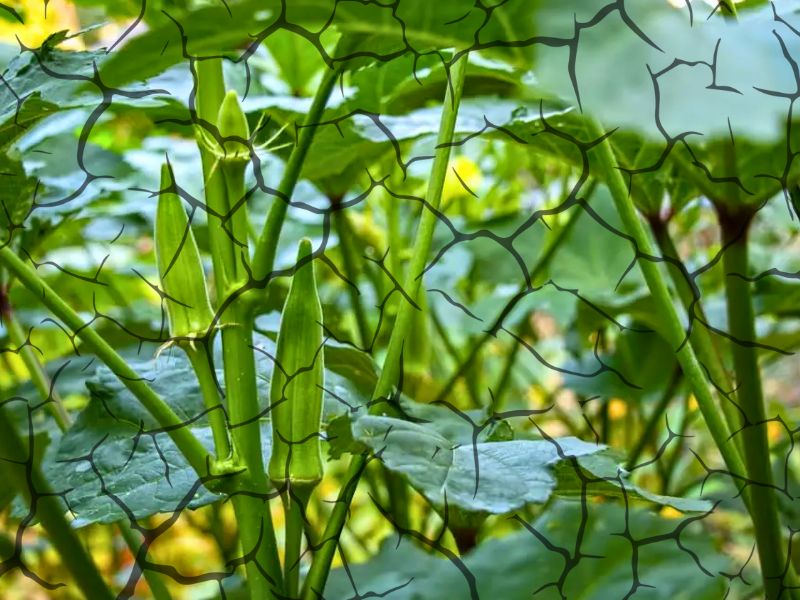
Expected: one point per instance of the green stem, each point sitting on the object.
(256, 531)
(314, 585)
(210, 92)
(200, 359)
(760, 509)
(48, 509)
(391, 368)
(157, 586)
(295, 502)
(267, 245)
(741, 324)
(707, 351)
(672, 328)
(38, 376)
(349, 261)
(395, 237)
(315, 581)
(191, 448)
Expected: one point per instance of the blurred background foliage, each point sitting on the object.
(614, 381)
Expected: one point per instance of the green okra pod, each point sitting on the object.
(297, 382)
(179, 266)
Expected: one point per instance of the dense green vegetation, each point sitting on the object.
(409, 300)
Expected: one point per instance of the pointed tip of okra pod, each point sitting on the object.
(305, 248)
(304, 276)
(231, 120)
(166, 175)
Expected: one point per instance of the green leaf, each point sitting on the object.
(40, 82)
(615, 57)
(608, 478)
(209, 31)
(16, 195)
(519, 566)
(496, 477)
(146, 472)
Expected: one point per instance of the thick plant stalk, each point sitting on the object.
(707, 353)
(48, 509)
(749, 391)
(256, 531)
(315, 581)
(674, 332)
(673, 329)
(201, 364)
(210, 93)
(191, 448)
(267, 245)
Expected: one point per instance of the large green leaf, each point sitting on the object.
(591, 558)
(492, 477)
(345, 144)
(617, 58)
(39, 82)
(376, 31)
(146, 472)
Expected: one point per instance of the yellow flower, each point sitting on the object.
(774, 430)
(37, 26)
(536, 396)
(617, 409)
(692, 403)
(470, 174)
(670, 513)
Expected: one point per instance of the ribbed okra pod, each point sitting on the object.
(297, 381)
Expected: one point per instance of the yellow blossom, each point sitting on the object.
(774, 430)
(670, 513)
(617, 409)
(470, 174)
(40, 22)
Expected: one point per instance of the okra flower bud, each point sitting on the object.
(297, 381)
(234, 130)
(179, 266)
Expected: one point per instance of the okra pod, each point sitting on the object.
(297, 382)
(179, 266)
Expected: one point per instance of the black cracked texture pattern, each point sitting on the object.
(541, 430)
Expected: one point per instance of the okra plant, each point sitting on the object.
(341, 300)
